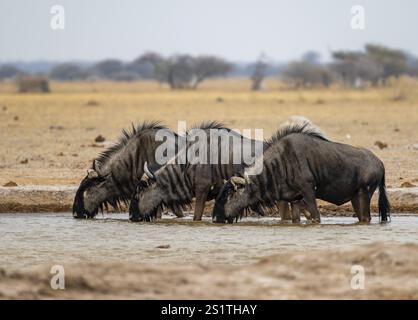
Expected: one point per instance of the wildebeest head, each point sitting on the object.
(148, 198)
(236, 195)
(94, 192)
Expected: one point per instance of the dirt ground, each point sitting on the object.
(49, 139)
(390, 273)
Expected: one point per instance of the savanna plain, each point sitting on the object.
(51, 139)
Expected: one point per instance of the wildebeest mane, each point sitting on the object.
(125, 137)
(208, 125)
(304, 128)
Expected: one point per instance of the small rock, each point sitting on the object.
(92, 103)
(364, 123)
(348, 136)
(75, 155)
(220, 99)
(95, 145)
(320, 101)
(56, 128)
(4, 108)
(10, 184)
(415, 146)
(381, 144)
(100, 138)
(163, 246)
(407, 184)
(61, 154)
(15, 118)
(396, 130)
(24, 161)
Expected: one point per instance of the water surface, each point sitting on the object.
(36, 239)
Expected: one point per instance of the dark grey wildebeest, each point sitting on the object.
(302, 165)
(114, 175)
(175, 184)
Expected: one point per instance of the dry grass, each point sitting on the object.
(55, 132)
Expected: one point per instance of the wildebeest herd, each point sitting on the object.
(295, 167)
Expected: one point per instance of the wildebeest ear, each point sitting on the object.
(91, 174)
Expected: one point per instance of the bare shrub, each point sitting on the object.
(32, 84)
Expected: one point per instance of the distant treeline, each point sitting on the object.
(371, 67)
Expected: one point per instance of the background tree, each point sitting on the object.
(205, 67)
(187, 72)
(393, 61)
(108, 69)
(68, 72)
(305, 74)
(8, 71)
(259, 73)
(146, 65)
(356, 68)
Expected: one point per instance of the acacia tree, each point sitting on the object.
(67, 72)
(356, 68)
(108, 68)
(188, 72)
(146, 65)
(393, 61)
(305, 74)
(205, 67)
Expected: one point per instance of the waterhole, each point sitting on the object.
(38, 239)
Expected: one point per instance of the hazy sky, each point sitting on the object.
(236, 29)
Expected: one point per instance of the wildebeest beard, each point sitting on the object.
(79, 210)
(219, 216)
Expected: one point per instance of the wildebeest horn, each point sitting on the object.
(95, 166)
(247, 178)
(147, 171)
(238, 180)
(91, 173)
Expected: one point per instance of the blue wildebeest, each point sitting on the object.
(176, 183)
(114, 175)
(301, 165)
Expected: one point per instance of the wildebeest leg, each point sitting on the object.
(200, 205)
(356, 205)
(305, 212)
(179, 213)
(284, 210)
(364, 201)
(159, 213)
(295, 212)
(310, 200)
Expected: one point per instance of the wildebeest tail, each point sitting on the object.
(384, 205)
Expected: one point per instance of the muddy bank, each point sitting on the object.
(390, 273)
(60, 198)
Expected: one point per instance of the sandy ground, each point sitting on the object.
(390, 273)
(36, 198)
(48, 139)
